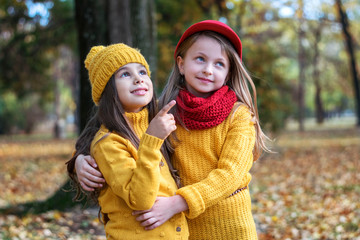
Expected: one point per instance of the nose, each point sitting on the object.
(138, 79)
(207, 70)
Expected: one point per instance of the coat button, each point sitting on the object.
(137, 231)
(162, 234)
(178, 229)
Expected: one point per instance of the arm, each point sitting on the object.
(132, 175)
(87, 173)
(234, 163)
(163, 209)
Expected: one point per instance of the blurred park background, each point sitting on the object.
(303, 55)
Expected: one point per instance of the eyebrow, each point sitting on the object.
(140, 66)
(121, 68)
(218, 59)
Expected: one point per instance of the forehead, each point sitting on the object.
(202, 40)
(207, 45)
(131, 65)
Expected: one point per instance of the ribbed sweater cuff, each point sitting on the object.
(151, 141)
(194, 200)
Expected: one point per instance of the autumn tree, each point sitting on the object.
(92, 30)
(29, 43)
(343, 18)
(301, 61)
(319, 108)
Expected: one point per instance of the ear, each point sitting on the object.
(180, 64)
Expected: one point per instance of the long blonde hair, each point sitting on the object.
(238, 79)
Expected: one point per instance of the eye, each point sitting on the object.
(143, 72)
(200, 59)
(220, 64)
(125, 74)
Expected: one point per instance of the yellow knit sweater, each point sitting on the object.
(134, 179)
(214, 163)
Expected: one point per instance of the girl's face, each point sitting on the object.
(134, 87)
(205, 67)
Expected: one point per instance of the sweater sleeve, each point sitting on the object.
(234, 163)
(136, 181)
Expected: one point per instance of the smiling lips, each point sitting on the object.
(205, 80)
(139, 91)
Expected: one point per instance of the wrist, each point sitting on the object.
(180, 203)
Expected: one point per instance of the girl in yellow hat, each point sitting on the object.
(128, 143)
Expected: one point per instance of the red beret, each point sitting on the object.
(215, 26)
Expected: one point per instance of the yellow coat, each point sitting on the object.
(214, 163)
(134, 179)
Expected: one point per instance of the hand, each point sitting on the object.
(163, 209)
(87, 173)
(163, 123)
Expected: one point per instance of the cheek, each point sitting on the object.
(119, 89)
(221, 79)
(151, 89)
(190, 70)
(225, 76)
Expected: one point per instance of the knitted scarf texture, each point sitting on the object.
(202, 113)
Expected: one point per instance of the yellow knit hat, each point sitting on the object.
(103, 61)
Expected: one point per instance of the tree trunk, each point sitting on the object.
(319, 109)
(301, 62)
(57, 126)
(144, 31)
(92, 30)
(352, 60)
(119, 31)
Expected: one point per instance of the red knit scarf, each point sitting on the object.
(202, 113)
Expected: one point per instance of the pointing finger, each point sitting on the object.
(167, 108)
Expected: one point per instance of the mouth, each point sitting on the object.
(205, 80)
(139, 91)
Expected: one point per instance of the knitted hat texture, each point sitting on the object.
(215, 26)
(103, 61)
